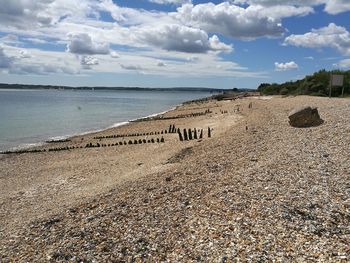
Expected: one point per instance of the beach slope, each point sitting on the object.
(256, 190)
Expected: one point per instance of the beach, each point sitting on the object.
(256, 189)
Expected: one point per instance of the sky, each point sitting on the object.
(171, 43)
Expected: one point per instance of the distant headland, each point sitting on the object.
(54, 87)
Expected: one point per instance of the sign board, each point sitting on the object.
(337, 80)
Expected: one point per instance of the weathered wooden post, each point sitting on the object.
(189, 134)
(201, 134)
(185, 135)
(170, 128)
(162, 139)
(180, 135)
(209, 132)
(195, 134)
(174, 129)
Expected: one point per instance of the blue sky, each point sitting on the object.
(171, 43)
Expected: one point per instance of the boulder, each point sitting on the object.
(305, 116)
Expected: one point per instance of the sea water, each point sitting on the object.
(29, 117)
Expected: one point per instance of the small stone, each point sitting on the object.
(168, 178)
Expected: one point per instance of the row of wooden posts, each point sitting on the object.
(24, 151)
(184, 135)
(139, 141)
(171, 129)
(44, 150)
(89, 145)
(194, 114)
(192, 134)
(58, 141)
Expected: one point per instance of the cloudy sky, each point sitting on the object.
(167, 43)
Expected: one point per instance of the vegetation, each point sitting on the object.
(315, 85)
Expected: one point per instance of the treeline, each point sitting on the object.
(314, 85)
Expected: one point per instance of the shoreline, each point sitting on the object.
(44, 142)
(21, 134)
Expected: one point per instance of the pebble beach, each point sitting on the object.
(255, 190)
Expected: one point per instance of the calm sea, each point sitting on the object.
(29, 117)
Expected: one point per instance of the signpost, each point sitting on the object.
(336, 81)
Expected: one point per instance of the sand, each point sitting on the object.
(37, 184)
(256, 190)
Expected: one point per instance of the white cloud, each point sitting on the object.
(36, 40)
(5, 60)
(22, 61)
(286, 66)
(176, 2)
(40, 69)
(24, 54)
(155, 42)
(344, 64)
(337, 6)
(131, 16)
(10, 39)
(82, 43)
(87, 62)
(216, 44)
(114, 54)
(23, 14)
(181, 38)
(230, 20)
(177, 64)
(332, 36)
(29, 14)
(282, 11)
(331, 6)
(193, 59)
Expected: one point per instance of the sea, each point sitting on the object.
(30, 117)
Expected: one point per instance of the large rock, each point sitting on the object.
(305, 116)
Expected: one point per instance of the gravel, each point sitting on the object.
(262, 191)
